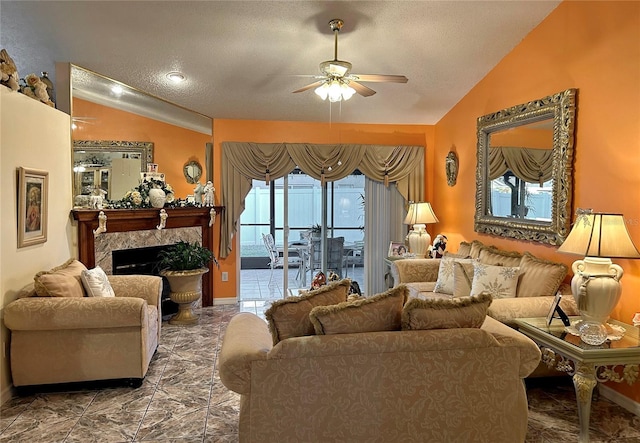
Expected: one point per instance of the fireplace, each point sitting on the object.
(143, 261)
(128, 230)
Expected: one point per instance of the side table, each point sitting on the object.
(614, 360)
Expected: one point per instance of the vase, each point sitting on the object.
(185, 289)
(596, 287)
(157, 198)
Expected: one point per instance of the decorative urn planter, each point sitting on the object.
(157, 197)
(186, 288)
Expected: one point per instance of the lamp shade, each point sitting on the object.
(599, 235)
(420, 213)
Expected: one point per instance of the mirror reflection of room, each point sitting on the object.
(520, 169)
(106, 110)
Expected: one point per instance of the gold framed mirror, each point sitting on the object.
(113, 166)
(524, 171)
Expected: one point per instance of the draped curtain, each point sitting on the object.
(530, 165)
(243, 162)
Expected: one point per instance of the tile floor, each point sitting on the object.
(183, 401)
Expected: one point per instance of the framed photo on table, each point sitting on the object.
(556, 309)
(33, 189)
(396, 249)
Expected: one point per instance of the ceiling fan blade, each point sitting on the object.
(379, 78)
(312, 85)
(361, 89)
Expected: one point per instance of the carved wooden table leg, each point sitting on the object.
(584, 380)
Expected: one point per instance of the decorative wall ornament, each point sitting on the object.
(451, 168)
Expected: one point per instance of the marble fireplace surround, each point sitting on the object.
(138, 228)
(108, 242)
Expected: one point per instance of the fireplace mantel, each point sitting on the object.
(128, 220)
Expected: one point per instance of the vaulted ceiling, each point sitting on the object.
(242, 59)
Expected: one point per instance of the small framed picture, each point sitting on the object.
(33, 188)
(397, 249)
(554, 306)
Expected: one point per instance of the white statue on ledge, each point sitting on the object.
(209, 191)
(197, 193)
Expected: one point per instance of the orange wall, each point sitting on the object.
(173, 146)
(301, 132)
(591, 46)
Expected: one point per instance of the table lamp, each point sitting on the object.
(596, 283)
(419, 215)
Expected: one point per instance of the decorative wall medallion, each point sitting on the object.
(451, 165)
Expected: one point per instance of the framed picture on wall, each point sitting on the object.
(397, 249)
(33, 189)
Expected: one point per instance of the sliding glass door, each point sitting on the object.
(290, 209)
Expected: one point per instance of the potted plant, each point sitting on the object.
(316, 230)
(183, 264)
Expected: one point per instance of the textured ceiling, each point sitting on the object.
(241, 58)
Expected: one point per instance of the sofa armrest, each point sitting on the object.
(60, 313)
(415, 270)
(246, 340)
(529, 352)
(506, 310)
(147, 287)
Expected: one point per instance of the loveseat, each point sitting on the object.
(377, 370)
(535, 285)
(61, 335)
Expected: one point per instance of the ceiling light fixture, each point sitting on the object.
(176, 77)
(335, 90)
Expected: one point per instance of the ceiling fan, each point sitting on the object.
(336, 80)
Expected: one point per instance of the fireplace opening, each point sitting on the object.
(143, 261)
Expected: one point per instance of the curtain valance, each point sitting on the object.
(530, 165)
(243, 162)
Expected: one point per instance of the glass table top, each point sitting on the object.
(558, 333)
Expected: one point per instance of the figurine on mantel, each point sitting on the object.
(209, 191)
(197, 193)
(97, 198)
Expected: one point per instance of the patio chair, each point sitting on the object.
(276, 259)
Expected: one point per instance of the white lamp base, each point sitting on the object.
(596, 288)
(419, 240)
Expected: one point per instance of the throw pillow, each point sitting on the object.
(289, 317)
(463, 312)
(381, 312)
(476, 247)
(444, 282)
(499, 281)
(464, 249)
(539, 277)
(462, 279)
(61, 281)
(495, 256)
(96, 283)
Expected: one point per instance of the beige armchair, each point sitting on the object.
(73, 339)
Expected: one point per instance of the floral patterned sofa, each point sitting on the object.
(527, 292)
(59, 334)
(376, 369)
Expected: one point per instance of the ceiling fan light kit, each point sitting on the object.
(336, 81)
